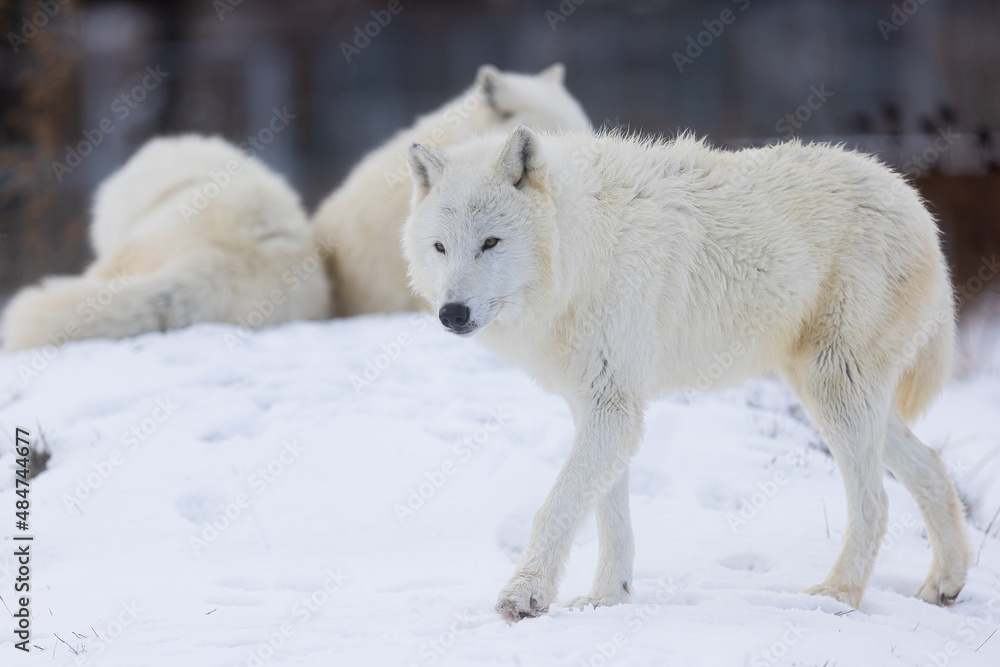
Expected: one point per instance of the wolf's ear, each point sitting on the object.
(426, 165)
(488, 77)
(520, 157)
(554, 73)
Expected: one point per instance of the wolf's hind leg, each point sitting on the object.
(924, 475)
(850, 412)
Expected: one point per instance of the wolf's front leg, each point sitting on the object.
(606, 438)
(613, 579)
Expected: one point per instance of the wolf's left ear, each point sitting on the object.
(520, 157)
(554, 73)
(426, 166)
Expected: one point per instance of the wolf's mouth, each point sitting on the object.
(466, 330)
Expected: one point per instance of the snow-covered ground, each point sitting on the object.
(355, 492)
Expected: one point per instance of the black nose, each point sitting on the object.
(454, 315)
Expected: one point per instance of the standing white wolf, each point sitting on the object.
(191, 229)
(360, 224)
(615, 269)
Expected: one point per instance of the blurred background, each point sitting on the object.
(83, 84)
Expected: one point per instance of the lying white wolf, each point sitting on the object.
(360, 224)
(614, 269)
(191, 229)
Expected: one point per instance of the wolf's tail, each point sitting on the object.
(62, 309)
(922, 381)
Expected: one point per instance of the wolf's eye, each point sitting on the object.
(491, 242)
(439, 247)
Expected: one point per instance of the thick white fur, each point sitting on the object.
(630, 268)
(359, 225)
(173, 248)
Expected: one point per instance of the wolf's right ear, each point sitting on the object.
(488, 77)
(426, 166)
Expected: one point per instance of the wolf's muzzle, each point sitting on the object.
(455, 316)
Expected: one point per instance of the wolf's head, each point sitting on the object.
(539, 101)
(479, 237)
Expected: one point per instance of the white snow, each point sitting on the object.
(335, 558)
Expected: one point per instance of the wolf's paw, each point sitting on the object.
(847, 596)
(940, 589)
(598, 600)
(525, 596)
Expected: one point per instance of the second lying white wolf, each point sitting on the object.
(614, 269)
